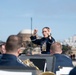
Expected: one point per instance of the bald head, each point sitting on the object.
(56, 48)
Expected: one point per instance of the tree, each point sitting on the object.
(66, 48)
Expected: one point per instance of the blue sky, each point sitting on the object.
(59, 15)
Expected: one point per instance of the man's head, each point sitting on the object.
(2, 47)
(46, 31)
(56, 48)
(13, 44)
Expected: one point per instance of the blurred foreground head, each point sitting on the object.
(56, 48)
(13, 45)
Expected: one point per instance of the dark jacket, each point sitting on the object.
(73, 71)
(62, 61)
(42, 41)
(0, 55)
(10, 60)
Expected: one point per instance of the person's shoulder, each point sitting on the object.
(62, 56)
(52, 38)
(66, 56)
(73, 71)
(57, 54)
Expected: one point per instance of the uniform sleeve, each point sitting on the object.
(35, 40)
(52, 40)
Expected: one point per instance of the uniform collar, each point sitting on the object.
(9, 56)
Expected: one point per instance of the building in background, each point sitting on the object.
(71, 42)
(25, 34)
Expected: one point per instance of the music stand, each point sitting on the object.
(48, 59)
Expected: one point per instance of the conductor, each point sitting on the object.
(45, 41)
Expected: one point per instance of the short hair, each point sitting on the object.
(13, 43)
(56, 46)
(46, 28)
(2, 43)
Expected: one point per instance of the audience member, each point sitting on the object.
(28, 52)
(45, 41)
(61, 59)
(2, 47)
(10, 58)
(36, 51)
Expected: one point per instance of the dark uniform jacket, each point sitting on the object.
(73, 71)
(10, 60)
(42, 41)
(62, 61)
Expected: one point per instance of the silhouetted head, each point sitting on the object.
(13, 44)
